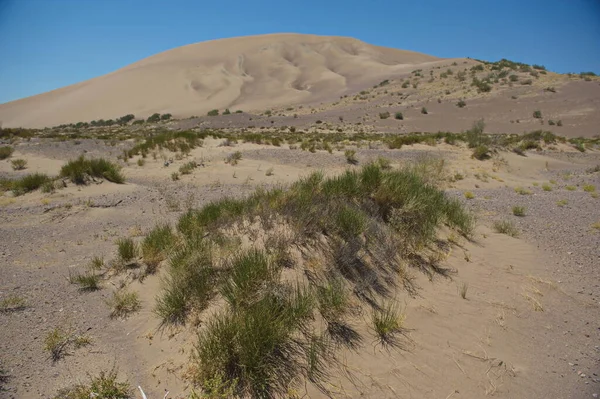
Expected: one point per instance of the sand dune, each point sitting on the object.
(249, 73)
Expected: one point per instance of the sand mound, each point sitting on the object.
(249, 73)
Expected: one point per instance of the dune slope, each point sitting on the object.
(249, 73)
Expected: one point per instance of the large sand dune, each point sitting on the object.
(248, 73)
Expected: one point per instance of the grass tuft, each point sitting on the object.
(18, 164)
(105, 385)
(387, 322)
(5, 152)
(87, 281)
(127, 250)
(518, 211)
(80, 170)
(506, 227)
(123, 302)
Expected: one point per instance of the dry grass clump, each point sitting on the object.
(506, 227)
(88, 281)
(105, 385)
(127, 250)
(155, 247)
(12, 303)
(518, 210)
(388, 322)
(123, 302)
(18, 164)
(522, 191)
(59, 340)
(234, 159)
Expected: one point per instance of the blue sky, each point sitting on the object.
(47, 44)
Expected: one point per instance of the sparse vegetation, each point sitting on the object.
(522, 191)
(399, 116)
(87, 281)
(188, 167)
(351, 157)
(469, 195)
(104, 386)
(537, 114)
(424, 111)
(384, 115)
(518, 211)
(80, 170)
(463, 288)
(506, 227)
(213, 112)
(481, 152)
(156, 246)
(59, 340)
(12, 303)
(562, 203)
(5, 152)
(18, 164)
(589, 188)
(461, 104)
(123, 302)
(127, 250)
(233, 159)
(387, 322)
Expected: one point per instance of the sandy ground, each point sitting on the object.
(528, 328)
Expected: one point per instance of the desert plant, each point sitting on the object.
(156, 246)
(104, 386)
(127, 250)
(5, 152)
(153, 118)
(461, 104)
(123, 302)
(28, 183)
(424, 111)
(174, 176)
(522, 191)
(213, 112)
(141, 162)
(546, 187)
(506, 227)
(233, 159)
(518, 210)
(562, 203)
(384, 115)
(269, 172)
(570, 188)
(481, 152)
(78, 170)
(332, 298)
(12, 303)
(589, 188)
(96, 263)
(87, 281)
(351, 157)
(187, 168)
(18, 164)
(388, 321)
(469, 195)
(537, 114)
(399, 116)
(463, 288)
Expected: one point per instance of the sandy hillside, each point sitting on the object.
(241, 73)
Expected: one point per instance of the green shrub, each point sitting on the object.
(29, 183)
(156, 246)
(153, 118)
(165, 117)
(399, 116)
(589, 188)
(5, 152)
(461, 104)
(469, 195)
(188, 167)
(87, 281)
(481, 152)
(78, 170)
(213, 112)
(546, 187)
(424, 111)
(127, 250)
(518, 211)
(537, 114)
(233, 159)
(475, 136)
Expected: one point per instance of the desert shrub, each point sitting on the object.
(546, 187)
(527, 82)
(80, 169)
(123, 302)
(104, 386)
(506, 227)
(469, 195)
(174, 176)
(29, 183)
(461, 104)
(424, 111)
(518, 210)
(233, 159)
(551, 122)
(213, 112)
(481, 152)
(165, 117)
(537, 114)
(153, 118)
(384, 115)
(127, 250)
(351, 157)
(18, 164)
(522, 191)
(188, 168)
(513, 78)
(5, 152)
(589, 188)
(475, 136)
(399, 116)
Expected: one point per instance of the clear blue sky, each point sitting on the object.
(47, 44)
